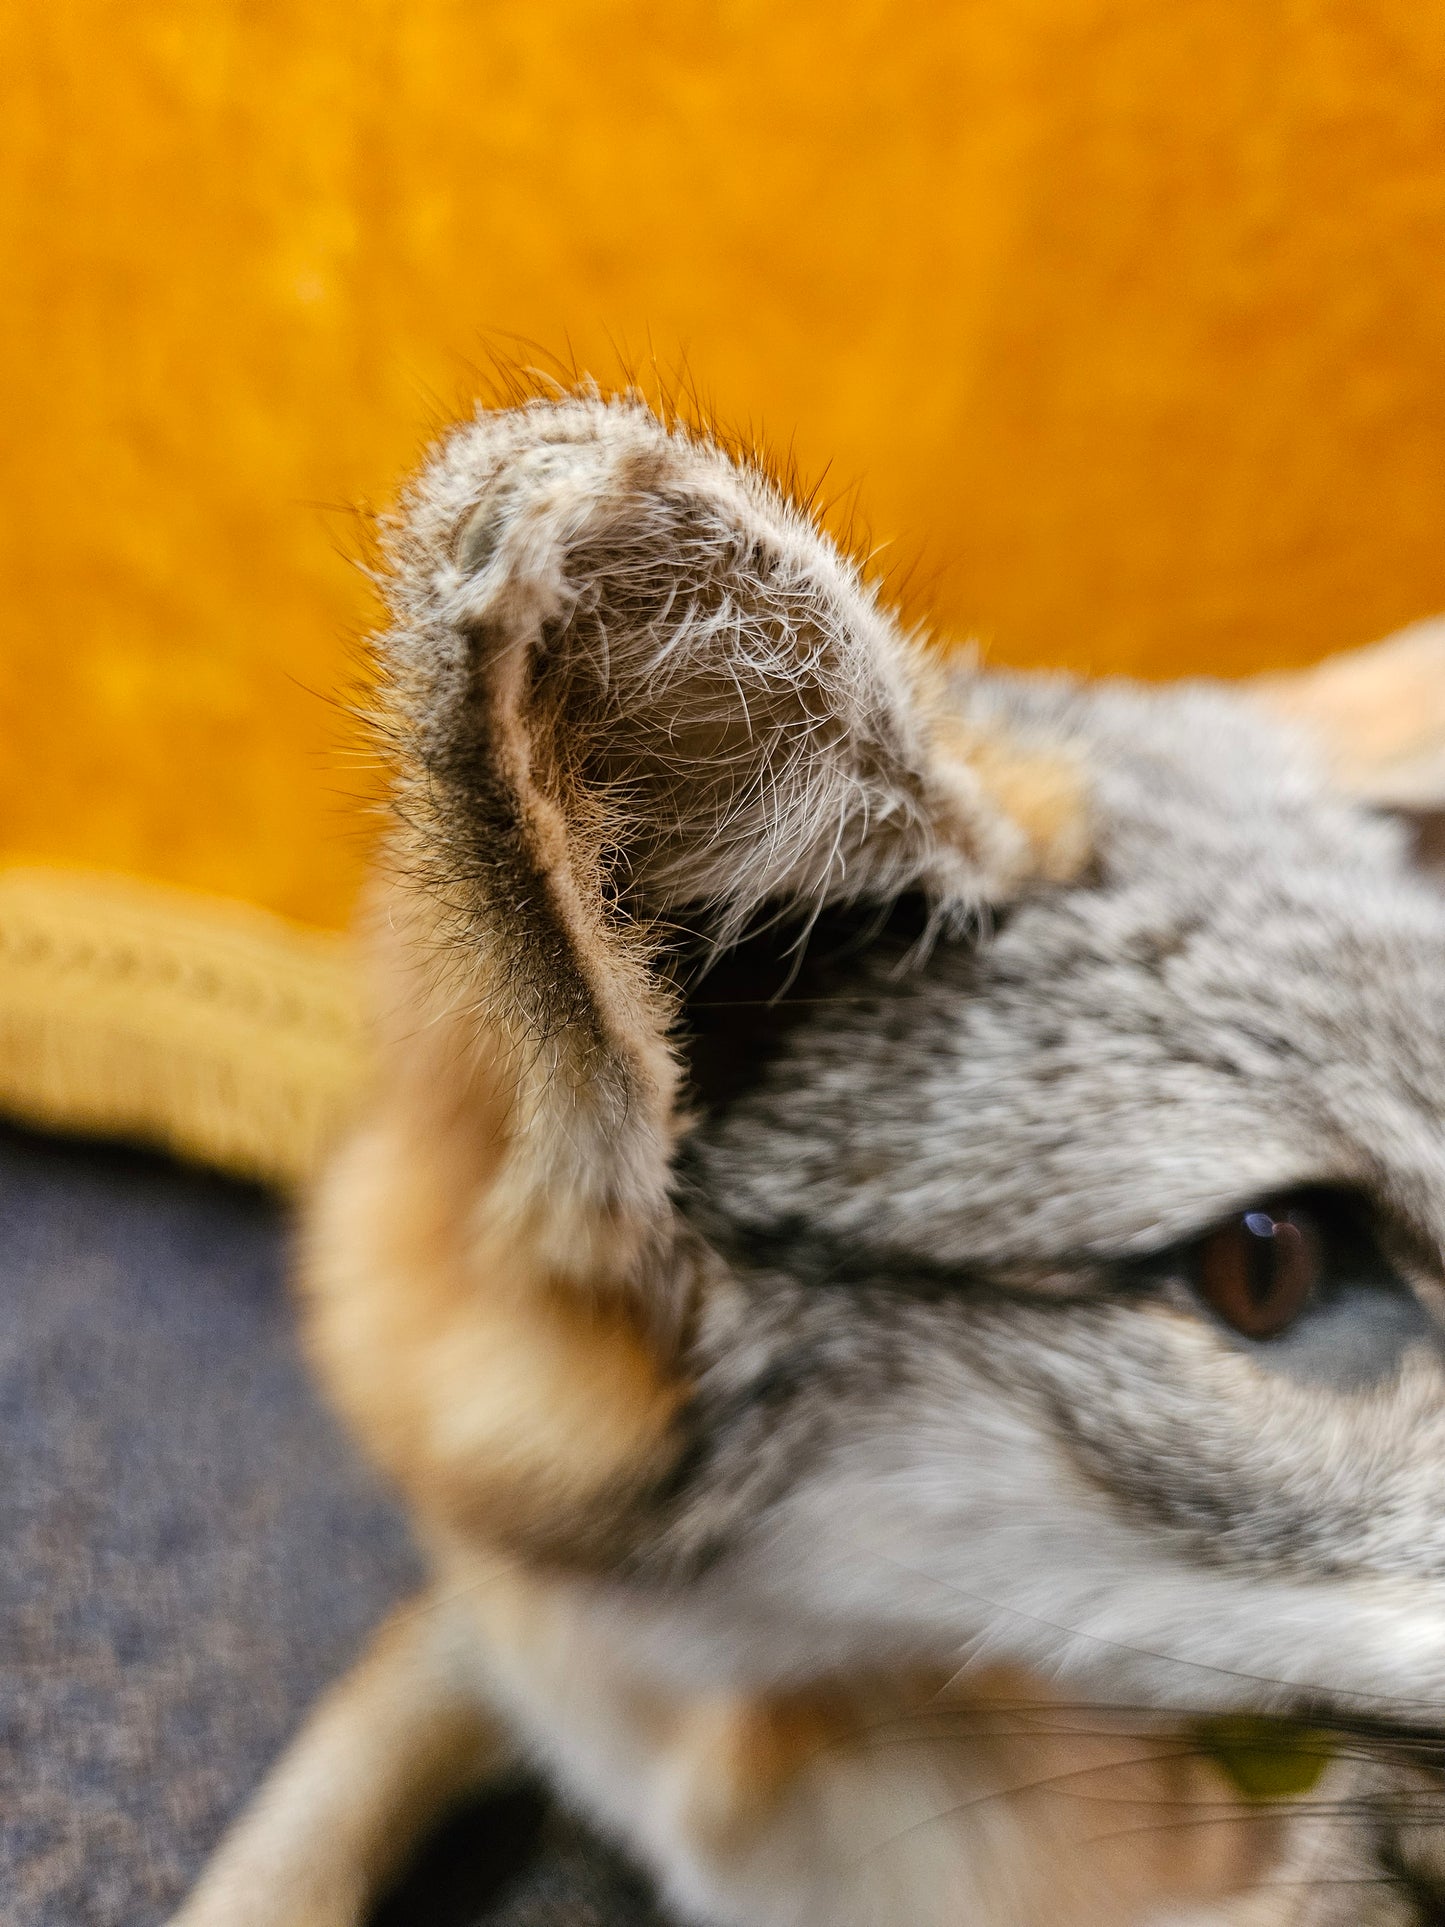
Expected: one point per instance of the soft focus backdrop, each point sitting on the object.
(1122, 325)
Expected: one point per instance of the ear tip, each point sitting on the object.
(619, 439)
(510, 495)
(1380, 713)
(582, 433)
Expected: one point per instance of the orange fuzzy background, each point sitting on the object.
(1127, 320)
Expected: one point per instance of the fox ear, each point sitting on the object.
(631, 685)
(1380, 714)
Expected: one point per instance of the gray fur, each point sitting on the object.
(1130, 1057)
(1125, 1063)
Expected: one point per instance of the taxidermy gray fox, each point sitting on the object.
(896, 1252)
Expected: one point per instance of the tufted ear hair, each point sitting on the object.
(631, 685)
(1379, 713)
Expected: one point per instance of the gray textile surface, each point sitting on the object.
(191, 1550)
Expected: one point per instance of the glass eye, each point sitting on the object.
(1259, 1271)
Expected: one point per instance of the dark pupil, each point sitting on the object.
(1271, 1251)
(1259, 1272)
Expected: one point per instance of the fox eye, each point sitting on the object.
(1260, 1271)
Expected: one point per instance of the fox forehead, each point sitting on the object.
(1248, 994)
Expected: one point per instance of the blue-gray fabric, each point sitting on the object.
(191, 1550)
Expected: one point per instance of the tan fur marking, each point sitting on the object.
(750, 1753)
(495, 1386)
(1133, 1822)
(490, 1392)
(1041, 789)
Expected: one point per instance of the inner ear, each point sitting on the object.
(737, 1009)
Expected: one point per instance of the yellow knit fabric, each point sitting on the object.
(209, 1028)
(1125, 320)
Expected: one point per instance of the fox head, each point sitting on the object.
(929, 1166)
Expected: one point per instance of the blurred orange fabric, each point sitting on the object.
(1127, 321)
